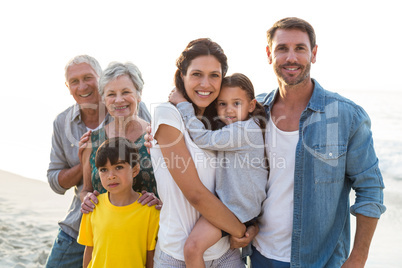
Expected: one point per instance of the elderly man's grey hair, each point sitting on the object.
(84, 59)
(117, 69)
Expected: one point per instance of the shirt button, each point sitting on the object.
(72, 144)
(330, 154)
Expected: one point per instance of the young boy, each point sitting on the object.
(120, 232)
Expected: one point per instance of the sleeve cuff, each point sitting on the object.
(373, 210)
(53, 178)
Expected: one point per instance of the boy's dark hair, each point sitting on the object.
(117, 149)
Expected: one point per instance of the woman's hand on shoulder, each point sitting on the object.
(88, 204)
(150, 199)
(148, 138)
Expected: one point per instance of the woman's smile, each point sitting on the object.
(121, 97)
(203, 80)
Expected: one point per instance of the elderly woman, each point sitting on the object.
(120, 87)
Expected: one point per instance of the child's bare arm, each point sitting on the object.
(87, 256)
(150, 259)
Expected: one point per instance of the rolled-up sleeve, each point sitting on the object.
(363, 170)
(58, 160)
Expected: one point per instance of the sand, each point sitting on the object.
(386, 246)
(29, 213)
(30, 210)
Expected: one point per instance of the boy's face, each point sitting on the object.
(119, 177)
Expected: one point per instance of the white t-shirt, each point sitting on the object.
(98, 127)
(276, 222)
(178, 217)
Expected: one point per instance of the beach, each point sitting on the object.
(386, 246)
(29, 213)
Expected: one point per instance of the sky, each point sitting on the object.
(358, 49)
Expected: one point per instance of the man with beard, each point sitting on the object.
(319, 146)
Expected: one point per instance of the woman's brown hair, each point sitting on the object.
(197, 48)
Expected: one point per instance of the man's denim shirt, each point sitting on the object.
(334, 154)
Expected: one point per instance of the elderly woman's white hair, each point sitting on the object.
(117, 69)
(84, 59)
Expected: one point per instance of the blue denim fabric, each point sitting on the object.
(65, 253)
(259, 261)
(334, 154)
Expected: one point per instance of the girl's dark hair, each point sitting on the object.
(197, 48)
(243, 82)
(115, 150)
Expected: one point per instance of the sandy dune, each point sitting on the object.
(29, 212)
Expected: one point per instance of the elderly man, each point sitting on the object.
(319, 146)
(65, 170)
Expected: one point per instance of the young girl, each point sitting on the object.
(242, 170)
(120, 232)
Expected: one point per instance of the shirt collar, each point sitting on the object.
(316, 102)
(76, 115)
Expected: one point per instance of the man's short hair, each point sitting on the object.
(84, 59)
(292, 23)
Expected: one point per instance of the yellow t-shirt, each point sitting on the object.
(120, 236)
